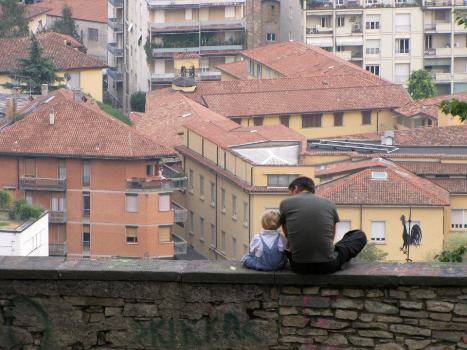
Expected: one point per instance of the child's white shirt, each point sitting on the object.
(269, 236)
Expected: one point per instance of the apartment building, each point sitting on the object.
(155, 33)
(103, 182)
(390, 38)
(77, 69)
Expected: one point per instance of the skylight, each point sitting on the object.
(379, 175)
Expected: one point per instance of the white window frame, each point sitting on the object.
(405, 49)
(201, 187)
(213, 194)
(161, 205)
(461, 225)
(234, 207)
(378, 237)
(373, 68)
(201, 229)
(134, 196)
(271, 37)
(340, 21)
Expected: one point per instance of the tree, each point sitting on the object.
(12, 21)
(138, 101)
(35, 70)
(421, 84)
(66, 24)
(371, 253)
(5, 199)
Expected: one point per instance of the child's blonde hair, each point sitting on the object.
(271, 220)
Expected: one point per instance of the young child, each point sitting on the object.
(267, 247)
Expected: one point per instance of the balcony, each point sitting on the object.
(115, 74)
(58, 249)
(437, 3)
(460, 51)
(114, 50)
(349, 41)
(442, 77)
(162, 77)
(116, 3)
(115, 24)
(57, 217)
(209, 75)
(157, 184)
(443, 51)
(460, 77)
(223, 24)
(345, 55)
(182, 4)
(180, 213)
(320, 41)
(317, 30)
(316, 4)
(41, 184)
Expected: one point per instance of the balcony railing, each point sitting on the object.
(319, 30)
(116, 3)
(114, 50)
(210, 24)
(58, 249)
(162, 77)
(41, 184)
(180, 213)
(209, 75)
(196, 49)
(162, 184)
(57, 217)
(115, 24)
(115, 74)
(180, 245)
(175, 4)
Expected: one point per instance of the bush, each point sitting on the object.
(22, 211)
(114, 112)
(371, 253)
(138, 101)
(5, 199)
(455, 255)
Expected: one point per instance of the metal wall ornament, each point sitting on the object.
(411, 236)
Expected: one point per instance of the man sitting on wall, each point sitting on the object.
(309, 222)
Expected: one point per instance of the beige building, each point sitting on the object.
(390, 38)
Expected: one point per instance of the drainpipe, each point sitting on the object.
(361, 217)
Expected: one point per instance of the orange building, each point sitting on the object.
(103, 182)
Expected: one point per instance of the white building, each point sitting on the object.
(30, 238)
(390, 38)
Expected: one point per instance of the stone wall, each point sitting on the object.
(49, 303)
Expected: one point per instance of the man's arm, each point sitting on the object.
(284, 229)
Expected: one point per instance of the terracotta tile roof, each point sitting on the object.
(236, 69)
(434, 168)
(454, 135)
(61, 49)
(453, 185)
(33, 11)
(401, 188)
(347, 167)
(428, 106)
(80, 130)
(236, 98)
(86, 10)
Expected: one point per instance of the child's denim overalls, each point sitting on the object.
(271, 260)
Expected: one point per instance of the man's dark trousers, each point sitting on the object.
(347, 248)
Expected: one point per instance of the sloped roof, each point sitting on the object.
(33, 11)
(453, 185)
(80, 130)
(400, 188)
(236, 69)
(428, 106)
(61, 49)
(434, 168)
(87, 10)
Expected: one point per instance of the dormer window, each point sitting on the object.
(379, 175)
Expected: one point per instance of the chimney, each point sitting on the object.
(388, 138)
(10, 108)
(52, 118)
(78, 94)
(44, 89)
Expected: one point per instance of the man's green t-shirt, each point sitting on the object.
(310, 222)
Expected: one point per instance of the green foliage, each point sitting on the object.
(455, 108)
(138, 101)
(114, 112)
(461, 17)
(22, 211)
(5, 199)
(455, 255)
(12, 21)
(421, 84)
(35, 70)
(66, 24)
(371, 253)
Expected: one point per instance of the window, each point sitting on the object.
(402, 22)
(338, 119)
(191, 223)
(86, 240)
(281, 180)
(131, 234)
(366, 117)
(131, 202)
(213, 235)
(271, 37)
(237, 120)
(378, 231)
(372, 46)
(342, 227)
(311, 120)
(222, 241)
(191, 177)
(30, 167)
(151, 169)
(164, 202)
(58, 202)
(372, 22)
(229, 11)
(222, 199)
(93, 34)
(402, 45)
(28, 197)
(259, 70)
(201, 186)
(340, 21)
(234, 206)
(245, 214)
(459, 219)
(285, 120)
(213, 194)
(234, 247)
(373, 68)
(201, 229)
(325, 22)
(61, 165)
(290, 12)
(86, 173)
(257, 121)
(379, 175)
(401, 72)
(428, 41)
(164, 234)
(188, 14)
(86, 204)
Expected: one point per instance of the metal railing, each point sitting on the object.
(163, 77)
(41, 184)
(115, 74)
(115, 24)
(114, 50)
(163, 184)
(174, 4)
(116, 3)
(180, 213)
(210, 75)
(58, 249)
(57, 217)
(180, 245)
(229, 22)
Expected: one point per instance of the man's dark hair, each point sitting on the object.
(303, 183)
